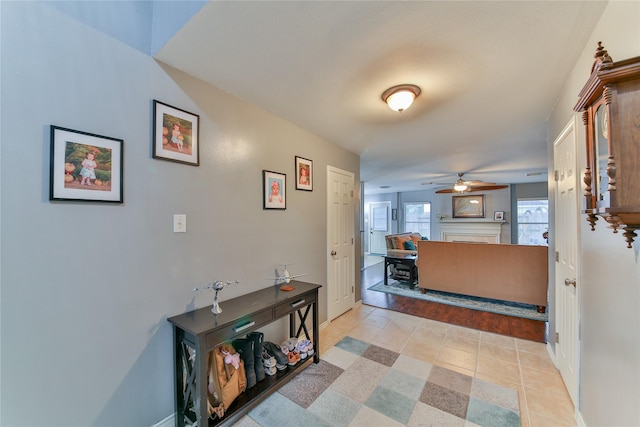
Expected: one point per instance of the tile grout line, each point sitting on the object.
(524, 390)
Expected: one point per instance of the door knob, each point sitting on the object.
(568, 282)
(334, 253)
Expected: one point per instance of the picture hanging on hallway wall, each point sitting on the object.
(274, 187)
(175, 134)
(304, 174)
(85, 167)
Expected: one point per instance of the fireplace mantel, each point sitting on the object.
(470, 231)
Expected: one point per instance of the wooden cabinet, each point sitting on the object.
(610, 106)
(198, 332)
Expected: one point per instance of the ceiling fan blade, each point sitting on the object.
(477, 182)
(446, 190)
(486, 188)
(473, 189)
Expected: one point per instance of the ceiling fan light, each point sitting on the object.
(400, 97)
(460, 186)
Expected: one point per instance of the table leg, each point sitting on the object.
(412, 276)
(386, 267)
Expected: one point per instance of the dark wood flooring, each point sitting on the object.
(517, 327)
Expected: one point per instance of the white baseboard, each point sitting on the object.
(552, 354)
(169, 421)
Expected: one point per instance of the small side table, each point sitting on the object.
(409, 261)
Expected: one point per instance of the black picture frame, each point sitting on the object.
(274, 190)
(85, 167)
(471, 206)
(176, 134)
(304, 174)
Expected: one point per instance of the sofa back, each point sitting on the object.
(506, 272)
(393, 240)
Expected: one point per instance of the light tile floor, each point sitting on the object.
(519, 364)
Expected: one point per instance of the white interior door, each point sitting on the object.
(566, 242)
(340, 242)
(380, 226)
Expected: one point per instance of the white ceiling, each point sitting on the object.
(490, 73)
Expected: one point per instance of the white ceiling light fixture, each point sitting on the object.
(400, 97)
(460, 186)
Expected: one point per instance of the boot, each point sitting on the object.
(257, 338)
(244, 346)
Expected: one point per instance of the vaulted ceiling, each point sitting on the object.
(489, 71)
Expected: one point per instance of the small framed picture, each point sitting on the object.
(304, 174)
(85, 167)
(394, 214)
(274, 187)
(175, 134)
(468, 206)
(498, 216)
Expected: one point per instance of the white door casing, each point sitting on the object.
(567, 282)
(380, 226)
(340, 242)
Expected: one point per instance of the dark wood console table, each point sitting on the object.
(200, 331)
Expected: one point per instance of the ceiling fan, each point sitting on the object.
(464, 186)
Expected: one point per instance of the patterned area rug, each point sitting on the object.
(475, 303)
(357, 383)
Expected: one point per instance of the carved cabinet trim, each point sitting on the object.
(610, 106)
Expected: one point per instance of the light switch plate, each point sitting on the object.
(179, 223)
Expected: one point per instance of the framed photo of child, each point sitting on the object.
(175, 134)
(85, 167)
(304, 174)
(274, 187)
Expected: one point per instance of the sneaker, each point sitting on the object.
(267, 360)
(284, 349)
(292, 358)
(270, 371)
(281, 357)
(290, 343)
(301, 348)
(310, 349)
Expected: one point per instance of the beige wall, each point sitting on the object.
(609, 284)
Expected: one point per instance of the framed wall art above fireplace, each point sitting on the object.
(468, 206)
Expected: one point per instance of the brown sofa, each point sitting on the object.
(395, 244)
(516, 273)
